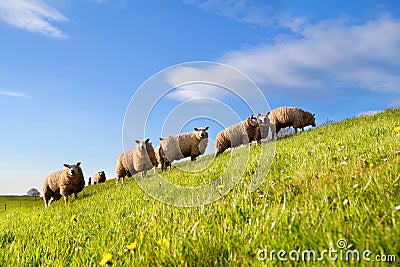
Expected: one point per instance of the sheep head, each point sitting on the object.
(252, 121)
(72, 168)
(201, 133)
(141, 144)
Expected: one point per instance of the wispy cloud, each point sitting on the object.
(394, 103)
(14, 94)
(326, 56)
(367, 113)
(246, 11)
(208, 80)
(32, 15)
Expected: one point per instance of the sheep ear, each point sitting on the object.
(313, 115)
(147, 140)
(66, 165)
(268, 113)
(259, 114)
(77, 164)
(207, 128)
(137, 141)
(160, 138)
(195, 129)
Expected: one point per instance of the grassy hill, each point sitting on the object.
(331, 192)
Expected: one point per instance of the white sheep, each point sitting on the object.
(263, 122)
(185, 145)
(63, 183)
(141, 159)
(283, 117)
(238, 134)
(99, 177)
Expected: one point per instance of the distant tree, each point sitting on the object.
(33, 192)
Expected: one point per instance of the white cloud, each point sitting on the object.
(368, 113)
(209, 81)
(14, 94)
(32, 15)
(394, 103)
(328, 55)
(245, 11)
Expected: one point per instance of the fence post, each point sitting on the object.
(5, 206)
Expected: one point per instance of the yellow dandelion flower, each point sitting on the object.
(338, 143)
(132, 246)
(106, 258)
(163, 242)
(220, 186)
(397, 129)
(72, 219)
(166, 243)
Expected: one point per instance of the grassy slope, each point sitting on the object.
(310, 199)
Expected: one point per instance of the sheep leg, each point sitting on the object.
(295, 130)
(193, 158)
(76, 195)
(155, 171)
(66, 199)
(47, 202)
(144, 175)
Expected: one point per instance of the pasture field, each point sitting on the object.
(8, 203)
(331, 197)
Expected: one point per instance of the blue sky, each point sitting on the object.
(69, 68)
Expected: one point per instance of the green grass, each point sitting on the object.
(339, 181)
(8, 203)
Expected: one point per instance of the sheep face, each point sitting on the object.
(252, 121)
(262, 119)
(72, 168)
(201, 133)
(310, 119)
(141, 144)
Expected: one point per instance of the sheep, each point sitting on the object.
(141, 159)
(180, 146)
(241, 133)
(289, 116)
(63, 184)
(122, 169)
(99, 177)
(161, 158)
(263, 122)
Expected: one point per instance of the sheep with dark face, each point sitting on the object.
(239, 134)
(162, 158)
(63, 183)
(141, 159)
(99, 177)
(283, 117)
(185, 145)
